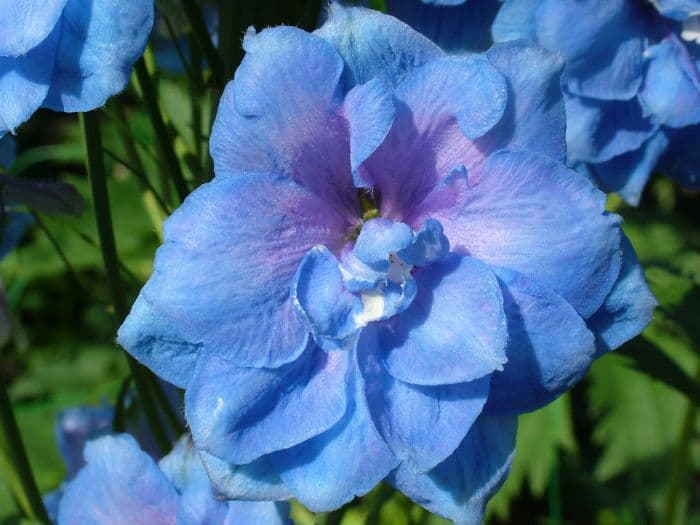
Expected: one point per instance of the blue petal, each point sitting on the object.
(226, 282)
(603, 49)
(629, 307)
(357, 276)
(258, 480)
(429, 245)
(380, 237)
(535, 117)
(598, 130)
(677, 9)
(24, 24)
(74, 427)
(628, 174)
(120, 481)
(240, 414)
(12, 228)
(100, 42)
(370, 112)
(682, 158)
(257, 512)
(671, 91)
(281, 114)
(422, 425)
(24, 83)
(549, 347)
(535, 216)
(158, 342)
(320, 295)
(460, 487)
(455, 329)
(441, 108)
(347, 461)
(455, 25)
(517, 19)
(374, 45)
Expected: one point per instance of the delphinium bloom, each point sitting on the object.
(67, 55)
(631, 83)
(121, 484)
(455, 25)
(391, 263)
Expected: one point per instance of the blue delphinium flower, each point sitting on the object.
(455, 25)
(67, 55)
(122, 484)
(632, 83)
(391, 263)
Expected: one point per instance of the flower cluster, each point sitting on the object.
(67, 55)
(392, 263)
(631, 83)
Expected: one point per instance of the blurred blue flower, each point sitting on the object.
(122, 484)
(631, 83)
(391, 263)
(67, 55)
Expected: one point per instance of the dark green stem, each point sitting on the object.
(103, 215)
(17, 455)
(201, 33)
(162, 134)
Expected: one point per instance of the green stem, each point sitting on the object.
(201, 33)
(18, 456)
(103, 215)
(162, 134)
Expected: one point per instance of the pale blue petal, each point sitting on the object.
(517, 19)
(257, 513)
(549, 347)
(455, 329)
(380, 237)
(460, 487)
(677, 9)
(24, 24)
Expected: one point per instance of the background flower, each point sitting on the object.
(489, 281)
(67, 55)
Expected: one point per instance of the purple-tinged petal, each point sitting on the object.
(119, 484)
(535, 117)
(629, 307)
(509, 220)
(627, 174)
(455, 329)
(421, 424)
(441, 107)
(370, 111)
(24, 83)
(457, 26)
(603, 48)
(375, 45)
(226, 281)
(597, 130)
(75, 427)
(25, 24)
(281, 114)
(517, 19)
(460, 487)
(549, 347)
(670, 94)
(100, 42)
(240, 414)
(258, 480)
(347, 461)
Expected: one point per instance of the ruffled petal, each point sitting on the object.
(24, 24)
(24, 82)
(240, 414)
(281, 114)
(119, 481)
(549, 347)
(517, 19)
(422, 424)
(460, 487)
(226, 281)
(670, 94)
(509, 220)
(603, 49)
(374, 45)
(455, 329)
(347, 461)
(629, 307)
(100, 42)
(457, 26)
